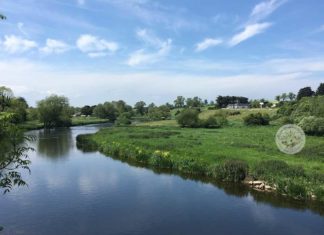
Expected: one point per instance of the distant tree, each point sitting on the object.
(278, 98)
(86, 110)
(6, 95)
(205, 102)
(159, 113)
(54, 111)
(123, 119)
(194, 102)
(106, 110)
(291, 96)
(140, 107)
(179, 102)
(121, 106)
(305, 92)
(18, 107)
(320, 89)
(284, 96)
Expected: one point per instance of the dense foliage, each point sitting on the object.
(257, 119)
(54, 111)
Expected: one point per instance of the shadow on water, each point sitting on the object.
(233, 189)
(54, 143)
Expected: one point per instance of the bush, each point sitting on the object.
(257, 119)
(123, 120)
(161, 159)
(312, 125)
(210, 122)
(188, 118)
(231, 170)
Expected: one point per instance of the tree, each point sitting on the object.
(6, 95)
(278, 98)
(86, 110)
(320, 89)
(305, 92)
(284, 96)
(291, 96)
(140, 107)
(12, 154)
(179, 102)
(54, 111)
(106, 110)
(18, 107)
(194, 102)
(188, 118)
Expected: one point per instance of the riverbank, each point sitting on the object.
(76, 121)
(234, 153)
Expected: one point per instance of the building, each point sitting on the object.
(238, 106)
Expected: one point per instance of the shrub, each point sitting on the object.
(210, 122)
(123, 120)
(190, 165)
(161, 159)
(188, 118)
(312, 125)
(257, 119)
(231, 170)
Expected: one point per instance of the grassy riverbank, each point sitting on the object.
(219, 153)
(76, 121)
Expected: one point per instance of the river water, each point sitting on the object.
(75, 192)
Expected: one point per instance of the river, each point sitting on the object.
(74, 192)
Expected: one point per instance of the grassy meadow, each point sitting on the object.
(163, 144)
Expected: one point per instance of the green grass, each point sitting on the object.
(163, 144)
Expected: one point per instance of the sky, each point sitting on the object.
(154, 50)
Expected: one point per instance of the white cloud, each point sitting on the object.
(149, 38)
(259, 80)
(14, 44)
(208, 42)
(248, 32)
(54, 47)
(94, 46)
(142, 57)
(264, 9)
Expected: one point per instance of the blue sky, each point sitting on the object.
(99, 50)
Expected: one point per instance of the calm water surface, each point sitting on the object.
(71, 192)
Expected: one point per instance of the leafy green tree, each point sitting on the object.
(121, 106)
(179, 102)
(13, 154)
(278, 98)
(320, 89)
(284, 96)
(188, 118)
(140, 107)
(194, 102)
(18, 107)
(305, 92)
(86, 110)
(291, 96)
(6, 95)
(159, 113)
(54, 111)
(106, 110)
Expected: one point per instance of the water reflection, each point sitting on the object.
(54, 143)
(234, 189)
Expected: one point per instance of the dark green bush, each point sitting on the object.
(123, 120)
(231, 170)
(312, 125)
(188, 118)
(210, 122)
(257, 119)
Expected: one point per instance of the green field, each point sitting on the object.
(197, 150)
